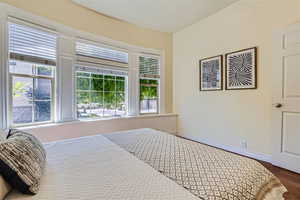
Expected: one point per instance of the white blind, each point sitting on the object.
(97, 70)
(99, 52)
(149, 67)
(30, 44)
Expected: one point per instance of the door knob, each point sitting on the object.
(278, 105)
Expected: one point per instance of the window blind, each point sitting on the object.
(98, 70)
(32, 45)
(89, 50)
(149, 67)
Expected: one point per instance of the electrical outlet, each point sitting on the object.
(244, 144)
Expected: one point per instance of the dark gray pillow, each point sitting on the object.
(22, 161)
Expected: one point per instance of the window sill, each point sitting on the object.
(99, 119)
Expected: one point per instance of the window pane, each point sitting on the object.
(149, 106)
(42, 111)
(153, 82)
(109, 77)
(120, 86)
(152, 92)
(22, 112)
(143, 81)
(152, 105)
(104, 98)
(83, 104)
(44, 70)
(83, 98)
(144, 91)
(144, 106)
(42, 89)
(83, 83)
(109, 103)
(120, 104)
(96, 107)
(97, 84)
(97, 76)
(97, 97)
(22, 99)
(84, 74)
(19, 67)
(149, 95)
(120, 78)
(22, 87)
(109, 85)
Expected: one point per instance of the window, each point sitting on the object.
(32, 73)
(95, 80)
(149, 85)
(100, 93)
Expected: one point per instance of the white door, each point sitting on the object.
(286, 99)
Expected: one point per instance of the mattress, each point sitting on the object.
(207, 172)
(94, 168)
(147, 164)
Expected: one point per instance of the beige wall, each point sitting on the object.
(75, 16)
(228, 117)
(49, 133)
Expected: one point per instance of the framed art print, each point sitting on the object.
(241, 69)
(211, 73)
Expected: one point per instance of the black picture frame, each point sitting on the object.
(212, 81)
(241, 69)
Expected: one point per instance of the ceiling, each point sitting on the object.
(161, 15)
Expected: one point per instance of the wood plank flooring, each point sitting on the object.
(289, 179)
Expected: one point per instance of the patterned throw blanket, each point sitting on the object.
(207, 172)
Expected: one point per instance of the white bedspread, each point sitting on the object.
(94, 168)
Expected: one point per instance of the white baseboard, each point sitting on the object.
(237, 150)
(285, 166)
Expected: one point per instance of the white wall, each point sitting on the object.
(48, 133)
(225, 118)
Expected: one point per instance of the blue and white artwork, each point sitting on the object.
(211, 74)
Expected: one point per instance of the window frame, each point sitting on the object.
(126, 91)
(9, 75)
(157, 99)
(63, 98)
(10, 103)
(160, 89)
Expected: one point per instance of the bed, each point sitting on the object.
(149, 164)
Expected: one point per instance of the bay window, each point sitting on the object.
(94, 80)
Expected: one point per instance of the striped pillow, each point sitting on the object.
(22, 161)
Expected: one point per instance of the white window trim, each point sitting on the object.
(72, 34)
(161, 94)
(10, 107)
(9, 101)
(102, 67)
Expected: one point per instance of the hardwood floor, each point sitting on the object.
(289, 179)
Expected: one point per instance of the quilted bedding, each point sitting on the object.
(207, 172)
(94, 168)
(146, 164)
